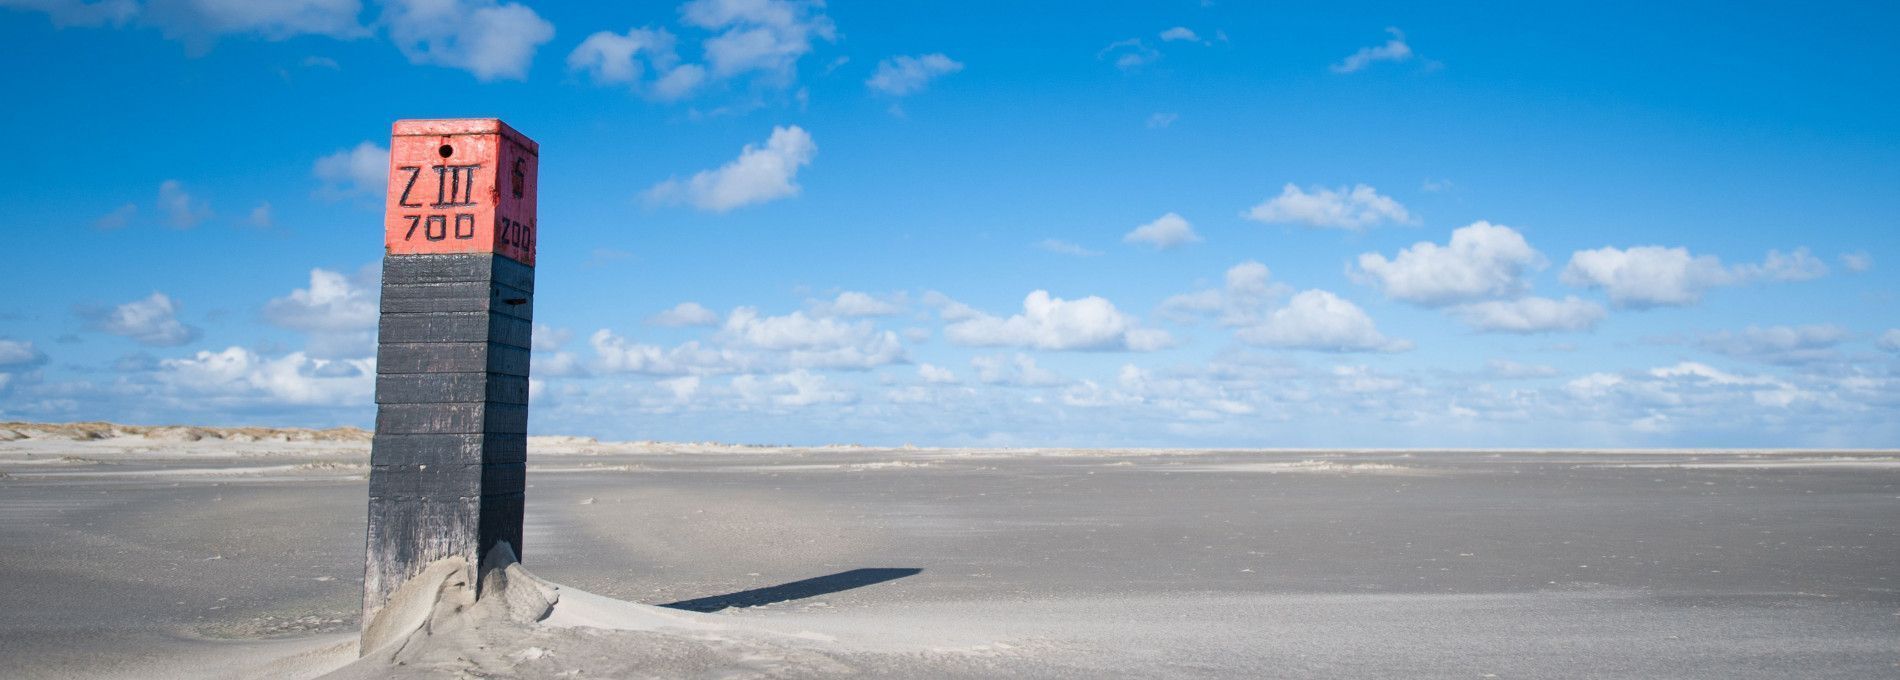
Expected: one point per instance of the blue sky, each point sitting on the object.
(976, 223)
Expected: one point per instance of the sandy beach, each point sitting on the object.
(208, 553)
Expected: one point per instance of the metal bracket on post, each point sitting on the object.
(449, 460)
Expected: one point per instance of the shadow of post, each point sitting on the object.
(796, 590)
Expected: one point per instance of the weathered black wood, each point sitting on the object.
(456, 327)
(477, 417)
(433, 449)
(464, 296)
(448, 462)
(438, 388)
(451, 357)
(451, 268)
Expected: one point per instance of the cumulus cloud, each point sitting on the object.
(931, 374)
(338, 314)
(614, 58)
(1531, 315)
(1019, 370)
(903, 75)
(1168, 231)
(758, 175)
(489, 39)
(1052, 323)
(181, 210)
(1319, 320)
(852, 303)
(685, 314)
(1778, 344)
(793, 389)
(1655, 276)
(1482, 260)
(1646, 276)
(240, 375)
(152, 321)
(362, 170)
(1799, 265)
(765, 36)
(810, 342)
(18, 354)
(1394, 50)
(1247, 291)
(616, 354)
(1179, 33)
(1357, 207)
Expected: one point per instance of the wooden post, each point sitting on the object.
(448, 463)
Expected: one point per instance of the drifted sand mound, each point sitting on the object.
(92, 431)
(524, 627)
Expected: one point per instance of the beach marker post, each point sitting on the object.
(448, 462)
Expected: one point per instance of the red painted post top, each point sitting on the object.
(461, 185)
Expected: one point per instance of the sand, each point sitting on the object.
(237, 554)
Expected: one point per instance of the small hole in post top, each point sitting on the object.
(446, 151)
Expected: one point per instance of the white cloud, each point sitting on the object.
(808, 342)
(685, 314)
(152, 321)
(16, 354)
(275, 20)
(1160, 120)
(1061, 247)
(1799, 265)
(117, 219)
(1357, 207)
(852, 303)
(1483, 260)
(1168, 231)
(337, 313)
(181, 210)
(1647, 276)
(240, 375)
(484, 37)
(1320, 320)
(1179, 33)
(902, 75)
(1247, 291)
(1394, 50)
(1778, 344)
(1019, 370)
(1857, 261)
(612, 58)
(758, 175)
(1129, 54)
(1653, 276)
(767, 36)
(615, 354)
(1531, 315)
(927, 372)
(948, 309)
(550, 359)
(1052, 323)
(79, 12)
(789, 390)
(1889, 340)
(362, 170)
